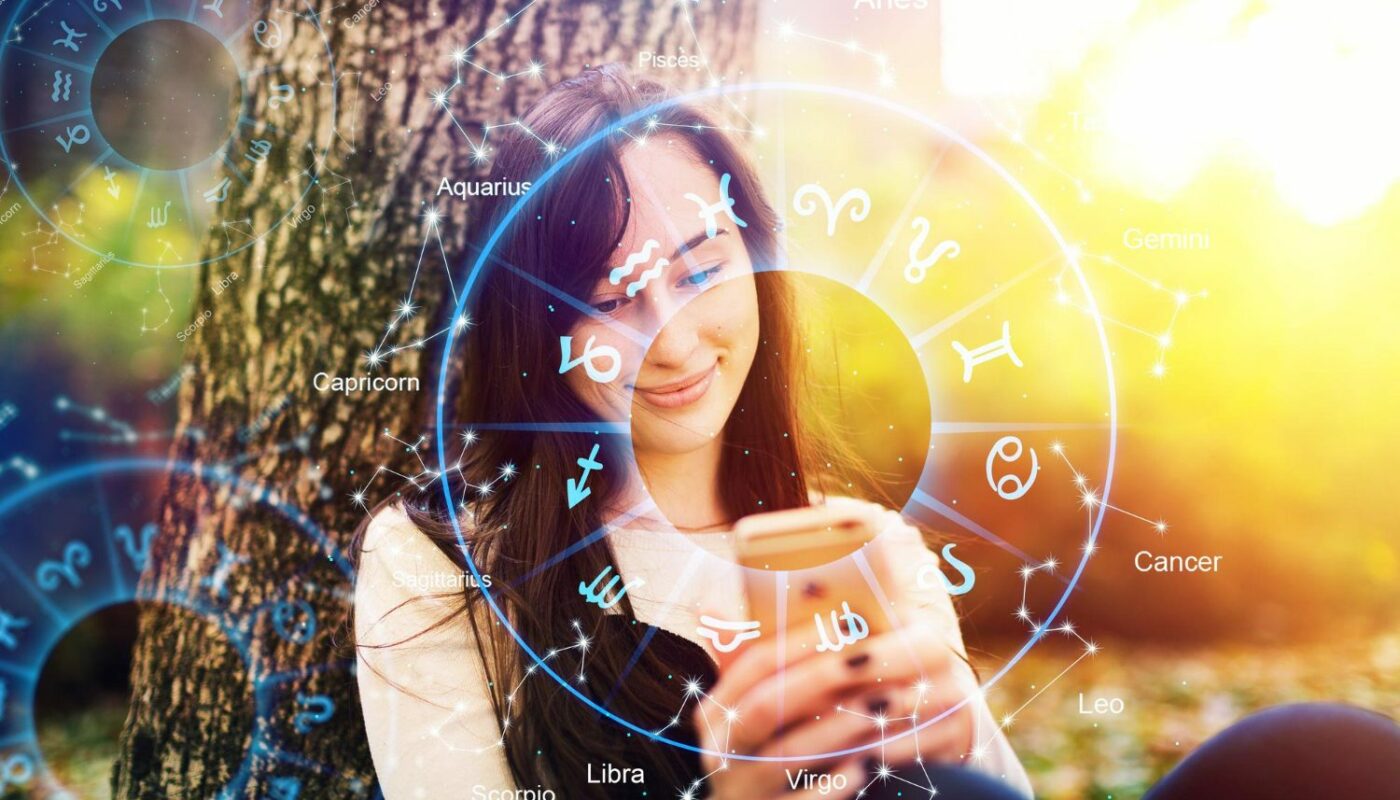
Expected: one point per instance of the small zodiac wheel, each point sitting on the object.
(995, 321)
(79, 541)
(151, 114)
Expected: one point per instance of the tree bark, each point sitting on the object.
(315, 298)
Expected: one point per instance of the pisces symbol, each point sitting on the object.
(806, 193)
(710, 211)
(318, 709)
(70, 37)
(62, 85)
(856, 629)
(615, 277)
(76, 555)
(924, 579)
(589, 355)
(917, 268)
(601, 599)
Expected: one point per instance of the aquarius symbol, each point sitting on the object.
(284, 787)
(589, 355)
(77, 134)
(281, 94)
(917, 268)
(600, 599)
(1018, 487)
(710, 211)
(159, 216)
(743, 631)
(260, 148)
(75, 556)
(8, 624)
(833, 212)
(68, 41)
(16, 772)
(111, 178)
(856, 629)
(615, 277)
(218, 581)
(319, 709)
(987, 352)
(577, 490)
(219, 193)
(62, 85)
(268, 33)
(138, 554)
(295, 622)
(217, 6)
(924, 580)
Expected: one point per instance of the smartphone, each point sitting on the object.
(812, 578)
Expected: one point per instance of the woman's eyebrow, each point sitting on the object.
(695, 241)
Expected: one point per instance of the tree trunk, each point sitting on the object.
(316, 297)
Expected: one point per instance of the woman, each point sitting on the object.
(700, 354)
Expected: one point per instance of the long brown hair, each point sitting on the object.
(562, 239)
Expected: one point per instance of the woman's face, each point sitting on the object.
(699, 315)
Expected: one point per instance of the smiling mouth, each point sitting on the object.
(679, 393)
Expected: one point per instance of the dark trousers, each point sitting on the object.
(1309, 751)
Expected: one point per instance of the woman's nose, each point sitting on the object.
(677, 332)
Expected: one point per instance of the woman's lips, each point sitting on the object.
(679, 393)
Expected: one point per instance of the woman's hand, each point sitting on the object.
(868, 693)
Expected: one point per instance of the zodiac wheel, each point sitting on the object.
(149, 115)
(79, 541)
(909, 215)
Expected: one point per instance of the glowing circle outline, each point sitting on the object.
(488, 248)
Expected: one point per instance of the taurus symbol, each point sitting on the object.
(77, 134)
(75, 556)
(159, 216)
(601, 599)
(987, 352)
(833, 212)
(968, 576)
(711, 211)
(295, 621)
(281, 94)
(917, 268)
(68, 41)
(856, 629)
(268, 33)
(137, 553)
(319, 708)
(9, 624)
(1003, 450)
(260, 148)
(589, 355)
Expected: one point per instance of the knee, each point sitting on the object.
(1321, 722)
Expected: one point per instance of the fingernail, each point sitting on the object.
(878, 705)
(858, 661)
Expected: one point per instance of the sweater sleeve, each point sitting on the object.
(427, 708)
(907, 556)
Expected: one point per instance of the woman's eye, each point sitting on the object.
(608, 306)
(700, 278)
